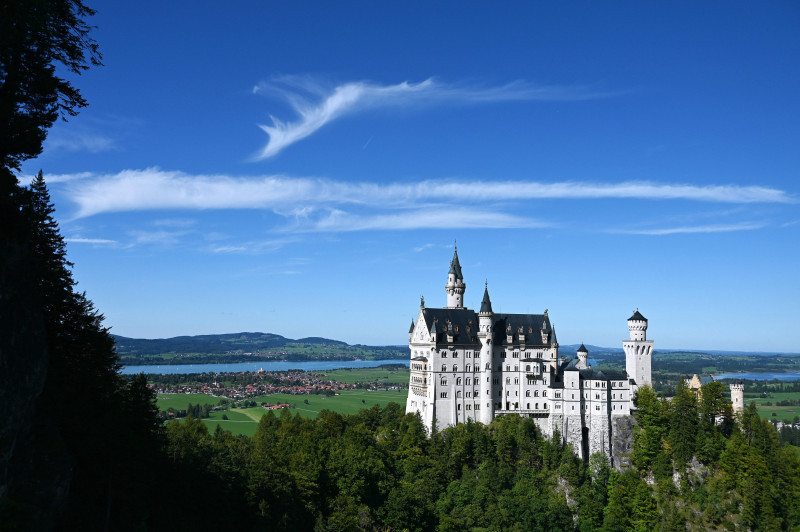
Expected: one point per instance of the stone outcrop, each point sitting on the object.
(622, 441)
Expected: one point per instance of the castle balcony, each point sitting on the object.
(525, 412)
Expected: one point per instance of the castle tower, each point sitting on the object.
(737, 397)
(485, 332)
(638, 351)
(583, 357)
(455, 284)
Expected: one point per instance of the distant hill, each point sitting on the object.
(245, 347)
(571, 349)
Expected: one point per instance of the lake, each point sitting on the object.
(789, 376)
(180, 369)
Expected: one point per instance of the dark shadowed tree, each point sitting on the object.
(39, 41)
(36, 37)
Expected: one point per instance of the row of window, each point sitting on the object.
(454, 354)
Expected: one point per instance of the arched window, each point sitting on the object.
(536, 393)
(444, 367)
(458, 393)
(455, 367)
(527, 393)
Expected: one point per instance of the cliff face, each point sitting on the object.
(622, 441)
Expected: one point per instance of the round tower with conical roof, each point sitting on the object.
(583, 357)
(455, 286)
(638, 351)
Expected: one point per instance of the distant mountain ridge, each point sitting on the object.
(244, 346)
(213, 343)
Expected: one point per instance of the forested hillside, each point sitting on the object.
(245, 347)
(377, 470)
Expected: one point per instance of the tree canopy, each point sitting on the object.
(36, 37)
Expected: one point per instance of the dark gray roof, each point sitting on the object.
(455, 266)
(486, 304)
(582, 349)
(412, 326)
(593, 374)
(462, 321)
(615, 375)
(637, 316)
(531, 325)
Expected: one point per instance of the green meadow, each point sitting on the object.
(782, 413)
(245, 420)
(180, 401)
(383, 375)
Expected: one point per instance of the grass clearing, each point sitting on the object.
(180, 401)
(383, 375)
(782, 413)
(245, 420)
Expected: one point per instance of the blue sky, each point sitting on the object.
(304, 168)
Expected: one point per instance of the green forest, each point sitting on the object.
(82, 448)
(245, 347)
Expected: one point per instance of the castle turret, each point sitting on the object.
(455, 284)
(485, 333)
(737, 397)
(583, 357)
(638, 351)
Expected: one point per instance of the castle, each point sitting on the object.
(475, 366)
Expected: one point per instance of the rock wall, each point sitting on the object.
(599, 435)
(622, 441)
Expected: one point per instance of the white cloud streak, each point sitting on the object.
(74, 140)
(695, 229)
(154, 189)
(318, 106)
(97, 241)
(340, 221)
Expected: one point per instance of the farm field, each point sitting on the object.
(180, 401)
(245, 421)
(349, 376)
(782, 413)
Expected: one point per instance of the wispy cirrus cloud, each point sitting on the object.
(76, 140)
(155, 189)
(318, 105)
(341, 221)
(750, 226)
(96, 241)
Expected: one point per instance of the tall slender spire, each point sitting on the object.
(486, 304)
(455, 284)
(455, 265)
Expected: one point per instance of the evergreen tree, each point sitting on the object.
(684, 424)
(35, 36)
